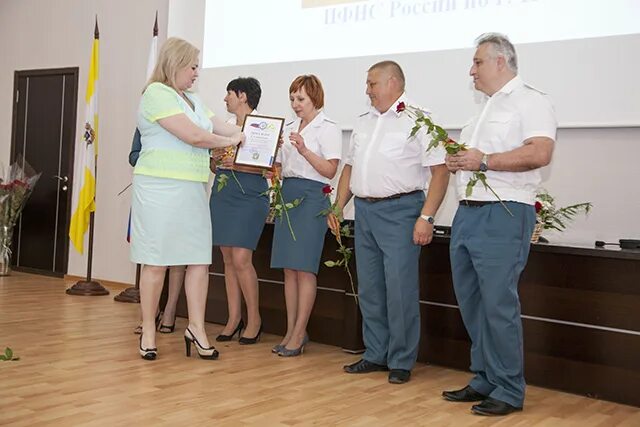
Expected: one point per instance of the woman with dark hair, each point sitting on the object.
(238, 213)
(309, 159)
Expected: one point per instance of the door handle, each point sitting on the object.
(61, 178)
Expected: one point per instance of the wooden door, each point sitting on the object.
(43, 134)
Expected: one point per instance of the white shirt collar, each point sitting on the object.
(511, 85)
(318, 119)
(393, 108)
(316, 122)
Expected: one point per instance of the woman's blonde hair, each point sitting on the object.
(175, 54)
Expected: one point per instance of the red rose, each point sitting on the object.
(400, 108)
(538, 206)
(327, 189)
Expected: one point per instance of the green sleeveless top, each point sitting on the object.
(163, 154)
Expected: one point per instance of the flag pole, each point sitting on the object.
(90, 287)
(132, 294)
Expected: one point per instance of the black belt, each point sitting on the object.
(393, 196)
(477, 203)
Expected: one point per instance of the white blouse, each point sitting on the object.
(322, 136)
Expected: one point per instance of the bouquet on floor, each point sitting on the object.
(439, 136)
(15, 188)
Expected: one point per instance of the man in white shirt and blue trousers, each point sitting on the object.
(510, 140)
(387, 172)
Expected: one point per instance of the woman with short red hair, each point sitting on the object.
(309, 157)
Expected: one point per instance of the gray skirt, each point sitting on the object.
(310, 228)
(238, 218)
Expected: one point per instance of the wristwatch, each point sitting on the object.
(484, 163)
(427, 218)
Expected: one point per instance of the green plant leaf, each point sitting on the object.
(451, 149)
(222, 182)
(8, 353)
(330, 263)
(470, 185)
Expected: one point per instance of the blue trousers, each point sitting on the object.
(388, 285)
(489, 249)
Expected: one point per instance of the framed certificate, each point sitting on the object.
(260, 147)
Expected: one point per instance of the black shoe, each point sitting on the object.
(209, 353)
(467, 394)
(138, 329)
(167, 329)
(363, 367)
(399, 376)
(237, 330)
(493, 407)
(147, 353)
(245, 340)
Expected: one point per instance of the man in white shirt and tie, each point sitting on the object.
(387, 172)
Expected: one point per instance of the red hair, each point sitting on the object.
(312, 86)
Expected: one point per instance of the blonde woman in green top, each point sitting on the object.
(170, 223)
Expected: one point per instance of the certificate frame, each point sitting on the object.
(262, 137)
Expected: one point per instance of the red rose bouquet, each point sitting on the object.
(15, 188)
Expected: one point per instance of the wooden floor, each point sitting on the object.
(79, 366)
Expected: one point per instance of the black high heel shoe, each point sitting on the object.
(138, 329)
(205, 353)
(164, 329)
(167, 329)
(245, 340)
(237, 330)
(147, 353)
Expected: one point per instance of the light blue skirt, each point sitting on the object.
(238, 218)
(170, 222)
(310, 228)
